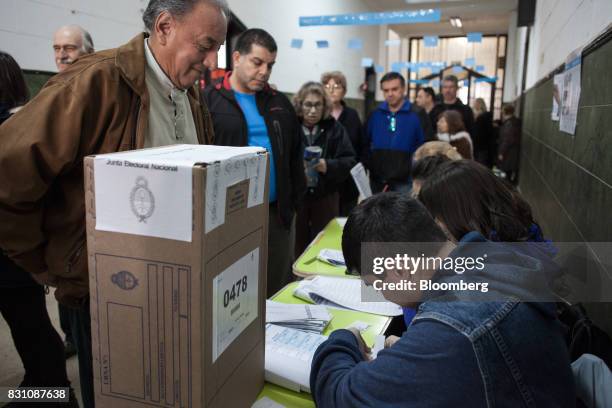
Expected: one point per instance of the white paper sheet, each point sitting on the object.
(234, 301)
(310, 318)
(227, 173)
(333, 257)
(266, 402)
(361, 180)
(570, 97)
(343, 292)
(557, 94)
(289, 356)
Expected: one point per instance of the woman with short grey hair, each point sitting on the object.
(328, 158)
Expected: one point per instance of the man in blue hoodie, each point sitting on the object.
(469, 349)
(393, 132)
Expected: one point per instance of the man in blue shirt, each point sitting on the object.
(464, 348)
(393, 132)
(246, 111)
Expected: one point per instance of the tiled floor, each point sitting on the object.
(11, 370)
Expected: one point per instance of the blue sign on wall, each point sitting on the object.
(430, 40)
(388, 17)
(297, 43)
(355, 44)
(474, 37)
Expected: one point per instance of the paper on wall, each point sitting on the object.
(234, 301)
(149, 192)
(570, 98)
(557, 93)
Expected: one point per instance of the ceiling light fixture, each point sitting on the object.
(456, 22)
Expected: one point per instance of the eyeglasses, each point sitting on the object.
(392, 123)
(333, 87)
(307, 106)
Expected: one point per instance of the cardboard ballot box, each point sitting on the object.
(177, 248)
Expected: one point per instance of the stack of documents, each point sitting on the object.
(333, 257)
(289, 356)
(343, 293)
(309, 318)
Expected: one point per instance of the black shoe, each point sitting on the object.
(69, 349)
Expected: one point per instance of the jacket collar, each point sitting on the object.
(405, 107)
(130, 60)
(225, 84)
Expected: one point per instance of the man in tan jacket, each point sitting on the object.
(140, 94)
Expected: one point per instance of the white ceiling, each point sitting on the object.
(486, 16)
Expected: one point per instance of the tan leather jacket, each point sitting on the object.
(98, 105)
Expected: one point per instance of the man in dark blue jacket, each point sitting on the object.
(393, 132)
(468, 348)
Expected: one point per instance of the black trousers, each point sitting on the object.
(312, 217)
(280, 252)
(80, 324)
(64, 316)
(37, 342)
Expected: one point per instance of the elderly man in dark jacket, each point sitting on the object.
(100, 104)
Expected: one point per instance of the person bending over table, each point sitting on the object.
(487, 349)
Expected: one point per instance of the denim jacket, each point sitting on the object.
(458, 352)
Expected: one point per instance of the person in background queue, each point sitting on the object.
(246, 111)
(328, 159)
(336, 87)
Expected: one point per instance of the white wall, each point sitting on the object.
(294, 67)
(560, 27)
(515, 54)
(27, 26)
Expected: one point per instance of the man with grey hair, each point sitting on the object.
(141, 94)
(69, 43)
(450, 101)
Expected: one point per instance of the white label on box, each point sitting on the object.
(227, 173)
(235, 302)
(135, 196)
(149, 192)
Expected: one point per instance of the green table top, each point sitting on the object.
(308, 264)
(340, 319)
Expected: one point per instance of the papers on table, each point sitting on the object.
(341, 221)
(333, 257)
(379, 344)
(289, 354)
(309, 318)
(266, 402)
(342, 293)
